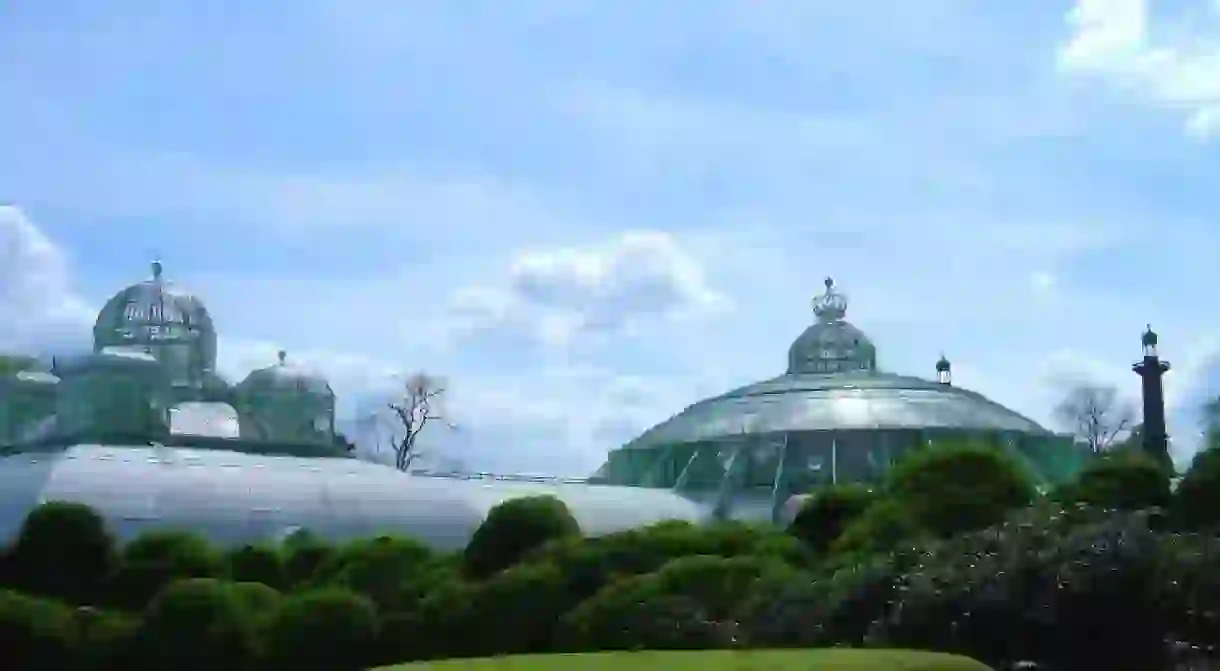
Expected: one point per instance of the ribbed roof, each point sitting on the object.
(237, 498)
(845, 401)
(156, 311)
(286, 377)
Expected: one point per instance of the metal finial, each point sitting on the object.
(156, 270)
(282, 355)
(831, 306)
(942, 365)
(1150, 337)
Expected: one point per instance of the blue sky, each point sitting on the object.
(589, 214)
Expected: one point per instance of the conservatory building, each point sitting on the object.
(125, 429)
(832, 417)
(105, 429)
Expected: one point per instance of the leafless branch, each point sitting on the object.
(1095, 414)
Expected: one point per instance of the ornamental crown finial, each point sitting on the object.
(831, 306)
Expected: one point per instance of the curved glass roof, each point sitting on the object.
(833, 384)
(286, 377)
(844, 401)
(156, 312)
(234, 498)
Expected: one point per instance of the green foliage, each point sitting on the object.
(34, 633)
(1120, 480)
(1196, 503)
(155, 559)
(256, 598)
(331, 628)
(954, 489)
(835, 608)
(11, 364)
(64, 551)
(514, 528)
(105, 641)
(882, 527)
(687, 603)
(393, 572)
(200, 624)
(303, 556)
(256, 563)
(822, 519)
(1041, 587)
(532, 596)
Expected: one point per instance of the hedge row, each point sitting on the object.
(954, 552)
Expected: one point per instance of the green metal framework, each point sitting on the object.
(770, 468)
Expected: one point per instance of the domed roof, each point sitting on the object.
(285, 377)
(832, 383)
(156, 312)
(846, 401)
(831, 345)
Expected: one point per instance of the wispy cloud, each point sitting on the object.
(1171, 61)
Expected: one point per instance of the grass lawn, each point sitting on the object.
(714, 660)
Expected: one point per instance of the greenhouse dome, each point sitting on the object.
(832, 417)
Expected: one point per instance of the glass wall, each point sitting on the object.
(780, 465)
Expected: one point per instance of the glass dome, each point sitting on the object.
(286, 402)
(831, 345)
(164, 320)
(832, 417)
(286, 377)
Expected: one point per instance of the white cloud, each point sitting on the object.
(38, 310)
(558, 294)
(1173, 64)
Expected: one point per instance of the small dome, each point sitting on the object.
(942, 365)
(156, 313)
(831, 345)
(287, 378)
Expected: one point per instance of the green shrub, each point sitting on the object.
(197, 623)
(256, 563)
(1121, 480)
(303, 558)
(514, 528)
(1196, 502)
(64, 551)
(882, 527)
(330, 628)
(401, 638)
(105, 640)
(688, 603)
(827, 513)
(589, 564)
(531, 596)
(952, 489)
(1038, 589)
(156, 559)
(393, 572)
(35, 633)
(261, 601)
(835, 609)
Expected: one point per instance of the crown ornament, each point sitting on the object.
(830, 306)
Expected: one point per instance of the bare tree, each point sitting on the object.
(1095, 414)
(415, 406)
